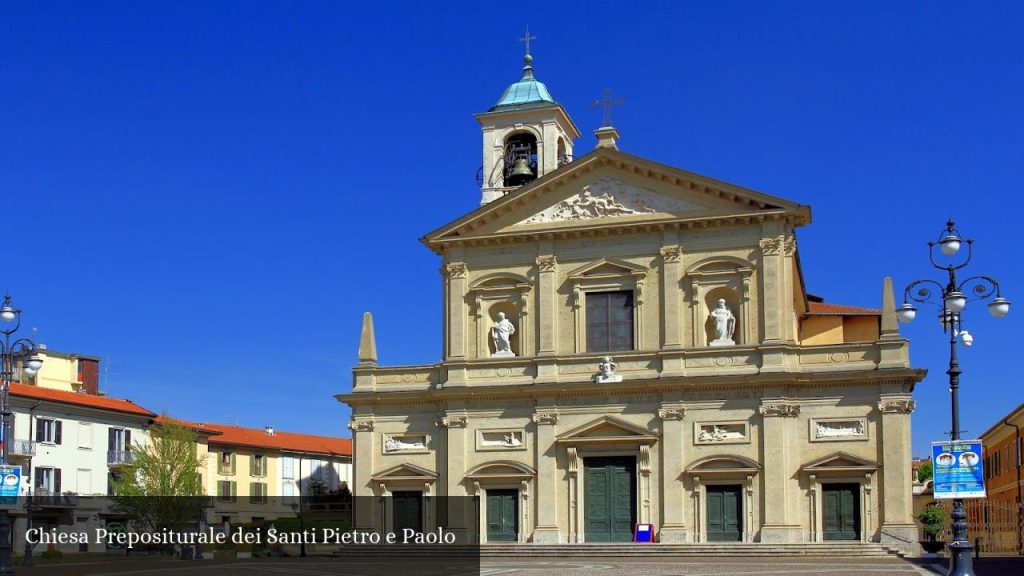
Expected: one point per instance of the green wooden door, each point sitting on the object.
(725, 521)
(609, 499)
(842, 511)
(407, 510)
(502, 515)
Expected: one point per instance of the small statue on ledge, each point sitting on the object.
(606, 371)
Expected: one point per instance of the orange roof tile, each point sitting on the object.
(821, 308)
(258, 438)
(201, 428)
(79, 399)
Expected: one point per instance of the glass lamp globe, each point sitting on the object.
(966, 338)
(28, 371)
(7, 314)
(956, 301)
(999, 307)
(34, 362)
(906, 313)
(950, 245)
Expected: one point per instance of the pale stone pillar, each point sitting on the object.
(897, 525)
(671, 301)
(362, 469)
(455, 309)
(778, 436)
(673, 527)
(546, 531)
(547, 318)
(452, 473)
(772, 278)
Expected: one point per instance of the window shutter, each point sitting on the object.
(111, 440)
(234, 485)
(58, 426)
(39, 479)
(252, 465)
(232, 464)
(56, 480)
(127, 440)
(40, 433)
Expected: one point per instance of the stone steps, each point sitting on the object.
(848, 549)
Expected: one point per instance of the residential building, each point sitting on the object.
(629, 343)
(253, 474)
(69, 445)
(998, 518)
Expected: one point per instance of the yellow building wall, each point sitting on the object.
(58, 373)
(821, 330)
(242, 509)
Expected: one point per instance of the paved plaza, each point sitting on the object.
(724, 566)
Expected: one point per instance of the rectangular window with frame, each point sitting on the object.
(47, 480)
(287, 467)
(257, 465)
(609, 321)
(226, 491)
(226, 463)
(258, 492)
(49, 430)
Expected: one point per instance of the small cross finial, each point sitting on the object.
(607, 102)
(527, 39)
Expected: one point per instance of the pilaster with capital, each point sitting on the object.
(454, 424)
(362, 468)
(779, 434)
(773, 283)
(672, 453)
(455, 275)
(897, 480)
(547, 304)
(546, 502)
(671, 296)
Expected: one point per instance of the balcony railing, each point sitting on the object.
(119, 457)
(42, 498)
(21, 448)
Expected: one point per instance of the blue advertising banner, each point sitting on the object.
(957, 469)
(10, 485)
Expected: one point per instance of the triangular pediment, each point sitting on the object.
(840, 461)
(608, 429)
(609, 188)
(607, 267)
(405, 472)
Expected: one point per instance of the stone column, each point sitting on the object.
(458, 511)
(778, 436)
(772, 279)
(671, 307)
(362, 469)
(455, 309)
(546, 531)
(673, 527)
(547, 317)
(897, 525)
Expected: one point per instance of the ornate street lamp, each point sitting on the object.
(25, 351)
(952, 299)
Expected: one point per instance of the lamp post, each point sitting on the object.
(951, 298)
(11, 352)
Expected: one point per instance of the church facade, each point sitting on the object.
(629, 344)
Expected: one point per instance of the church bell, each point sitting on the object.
(521, 172)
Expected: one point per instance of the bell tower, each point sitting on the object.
(527, 134)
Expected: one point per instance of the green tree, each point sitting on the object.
(925, 471)
(162, 487)
(933, 519)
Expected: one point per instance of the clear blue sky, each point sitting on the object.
(194, 190)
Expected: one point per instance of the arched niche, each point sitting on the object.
(711, 279)
(507, 293)
(521, 145)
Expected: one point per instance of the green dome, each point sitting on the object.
(528, 92)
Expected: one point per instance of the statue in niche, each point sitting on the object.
(501, 334)
(606, 371)
(725, 324)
